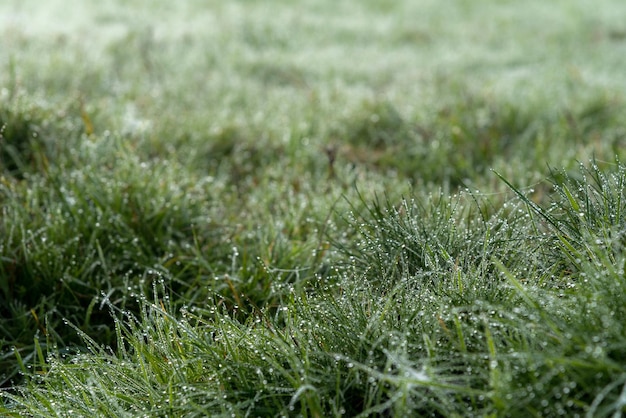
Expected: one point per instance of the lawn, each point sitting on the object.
(274, 208)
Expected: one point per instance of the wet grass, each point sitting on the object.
(365, 209)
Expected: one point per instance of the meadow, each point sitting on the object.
(317, 209)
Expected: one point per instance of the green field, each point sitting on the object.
(317, 209)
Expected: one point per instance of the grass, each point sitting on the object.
(358, 209)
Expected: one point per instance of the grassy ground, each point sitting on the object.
(350, 208)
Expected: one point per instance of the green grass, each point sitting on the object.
(266, 209)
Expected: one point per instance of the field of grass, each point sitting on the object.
(274, 208)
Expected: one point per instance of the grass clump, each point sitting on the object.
(71, 238)
(471, 331)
